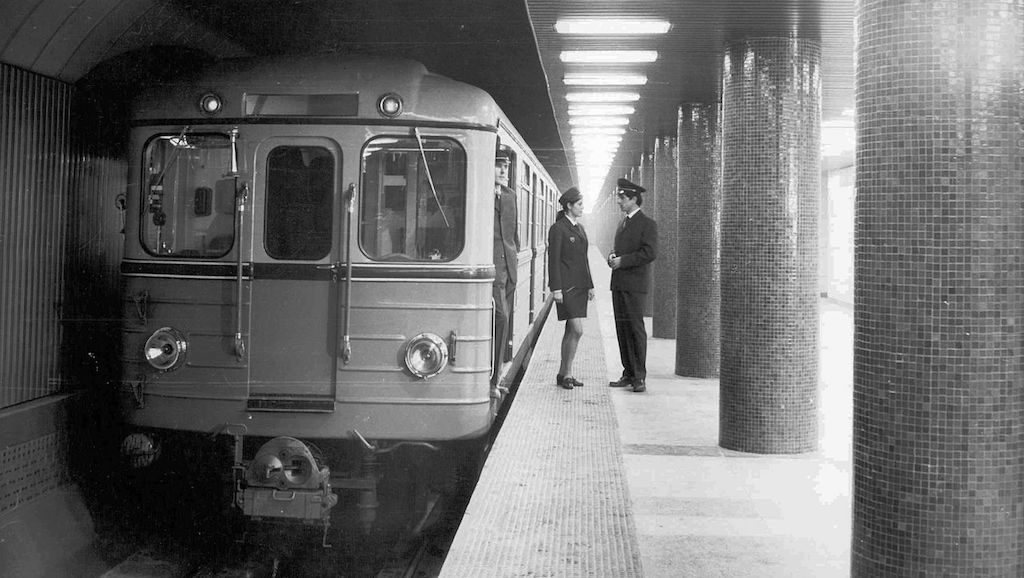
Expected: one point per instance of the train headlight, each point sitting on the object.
(426, 355)
(210, 103)
(165, 349)
(390, 105)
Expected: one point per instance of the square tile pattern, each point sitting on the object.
(939, 290)
(771, 131)
(698, 342)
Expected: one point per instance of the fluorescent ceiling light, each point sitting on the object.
(602, 96)
(593, 130)
(605, 79)
(612, 26)
(599, 121)
(597, 148)
(600, 109)
(608, 56)
(596, 139)
(595, 153)
(604, 160)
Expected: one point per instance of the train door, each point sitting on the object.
(294, 335)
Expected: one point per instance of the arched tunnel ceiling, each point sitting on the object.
(488, 43)
(507, 47)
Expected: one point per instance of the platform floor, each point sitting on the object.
(602, 481)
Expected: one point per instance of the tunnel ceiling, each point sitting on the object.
(507, 47)
(488, 43)
(689, 55)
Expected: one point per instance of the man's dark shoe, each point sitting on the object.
(639, 386)
(622, 382)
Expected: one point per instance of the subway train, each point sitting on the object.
(307, 281)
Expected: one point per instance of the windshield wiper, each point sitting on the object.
(181, 142)
(430, 180)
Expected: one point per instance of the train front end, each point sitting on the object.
(307, 282)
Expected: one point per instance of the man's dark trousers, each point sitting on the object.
(628, 307)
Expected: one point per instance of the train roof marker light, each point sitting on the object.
(595, 97)
(608, 56)
(611, 26)
(603, 79)
(389, 105)
(210, 103)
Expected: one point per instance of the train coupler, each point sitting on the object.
(286, 481)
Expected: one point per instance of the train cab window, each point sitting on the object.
(188, 203)
(299, 201)
(413, 201)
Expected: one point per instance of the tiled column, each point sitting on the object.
(771, 160)
(665, 284)
(647, 182)
(700, 210)
(938, 379)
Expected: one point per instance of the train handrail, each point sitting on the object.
(240, 198)
(346, 340)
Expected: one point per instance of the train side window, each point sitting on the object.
(299, 200)
(513, 168)
(523, 196)
(188, 205)
(413, 201)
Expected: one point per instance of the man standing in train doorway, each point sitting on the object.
(636, 241)
(506, 258)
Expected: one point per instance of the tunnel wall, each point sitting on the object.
(60, 252)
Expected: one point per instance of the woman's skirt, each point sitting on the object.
(573, 305)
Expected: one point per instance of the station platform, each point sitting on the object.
(602, 481)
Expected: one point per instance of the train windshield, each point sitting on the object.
(189, 204)
(413, 199)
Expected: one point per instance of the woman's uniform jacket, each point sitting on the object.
(568, 266)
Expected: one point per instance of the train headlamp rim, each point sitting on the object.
(426, 355)
(210, 103)
(166, 349)
(390, 105)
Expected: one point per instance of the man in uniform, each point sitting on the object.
(506, 257)
(636, 242)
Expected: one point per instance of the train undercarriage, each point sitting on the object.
(282, 495)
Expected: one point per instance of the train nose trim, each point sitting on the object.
(291, 403)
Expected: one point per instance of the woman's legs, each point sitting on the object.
(571, 338)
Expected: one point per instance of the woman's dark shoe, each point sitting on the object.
(575, 382)
(564, 381)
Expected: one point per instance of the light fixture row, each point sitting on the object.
(598, 117)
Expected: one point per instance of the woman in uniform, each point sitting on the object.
(569, 279)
